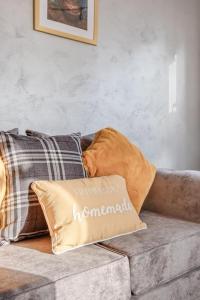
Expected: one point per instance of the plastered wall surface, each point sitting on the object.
(143, 78)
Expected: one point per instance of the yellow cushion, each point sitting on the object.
(111, 153)
(84, 211)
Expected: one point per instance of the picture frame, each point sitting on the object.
(72, 19)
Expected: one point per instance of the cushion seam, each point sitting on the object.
(111, 249)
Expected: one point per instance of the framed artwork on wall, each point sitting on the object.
(72, 19)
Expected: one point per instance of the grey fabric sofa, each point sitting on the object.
(160, 263)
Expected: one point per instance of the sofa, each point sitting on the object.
(161, 262)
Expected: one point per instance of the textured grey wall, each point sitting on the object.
(148, 58)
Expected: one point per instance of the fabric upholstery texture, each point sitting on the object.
(111, 153)
(84, 211)
(176, 194)
(35, 133)
(3, 184)
(13, 131)
(90, 272)
(86, 140)
(167, 249)
(185, 287)
(3, 174)
(27, 159)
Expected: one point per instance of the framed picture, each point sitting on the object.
(72, 19)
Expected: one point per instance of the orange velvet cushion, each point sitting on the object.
(111, 153)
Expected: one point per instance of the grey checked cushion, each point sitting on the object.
(86, 140)
(35, 133)
(2, 174)
(27, 159)
(14, 131)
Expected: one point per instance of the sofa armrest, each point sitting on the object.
(175, 194)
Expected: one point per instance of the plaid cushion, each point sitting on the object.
(14, 131)
(86, 140)
(27, 159)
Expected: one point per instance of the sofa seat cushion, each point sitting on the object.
(28, 270)
(166, 250)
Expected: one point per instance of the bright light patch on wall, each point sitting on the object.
(173, 85)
